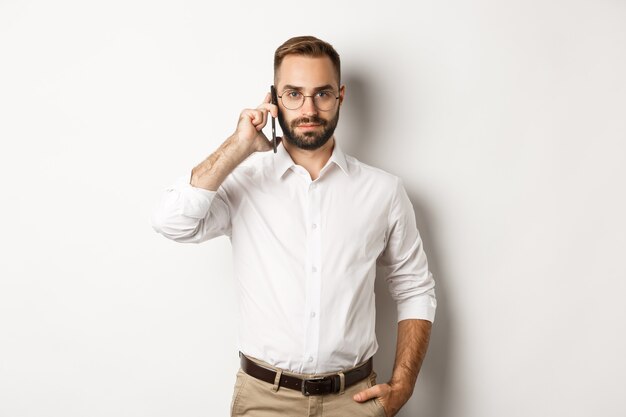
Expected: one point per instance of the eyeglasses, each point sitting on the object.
(324, 100)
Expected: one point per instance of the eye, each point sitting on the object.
(324, 94)
(292, 94)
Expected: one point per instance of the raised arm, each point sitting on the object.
(194, 208)
(247, 139)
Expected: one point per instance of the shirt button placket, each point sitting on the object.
(313, 279)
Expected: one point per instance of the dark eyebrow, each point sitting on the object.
(316, 89)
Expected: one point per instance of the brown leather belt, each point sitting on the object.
(311, 386)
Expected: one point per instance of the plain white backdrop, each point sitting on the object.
(505, 119)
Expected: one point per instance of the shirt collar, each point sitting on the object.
(283, 161)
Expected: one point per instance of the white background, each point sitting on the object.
(505, 119)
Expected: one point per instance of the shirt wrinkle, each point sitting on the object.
(305, 255)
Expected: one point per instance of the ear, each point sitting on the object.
(342, 93)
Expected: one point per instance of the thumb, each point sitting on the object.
(367, 394)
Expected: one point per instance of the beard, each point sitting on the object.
(308, 140)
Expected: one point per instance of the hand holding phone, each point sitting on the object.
(274, 100)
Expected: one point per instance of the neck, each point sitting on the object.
(312, 160)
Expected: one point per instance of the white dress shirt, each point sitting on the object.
(305, 254)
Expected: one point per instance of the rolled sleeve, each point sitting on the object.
(404, 263)
(189, 214)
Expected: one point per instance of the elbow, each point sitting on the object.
(160, 224)
(156, 221)
(172, 228)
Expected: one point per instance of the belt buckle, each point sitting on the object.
(321, 381)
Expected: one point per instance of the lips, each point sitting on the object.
(308, 122)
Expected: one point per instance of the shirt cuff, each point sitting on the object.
(422, 307)
(195, 201)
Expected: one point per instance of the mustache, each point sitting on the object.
(308, 120)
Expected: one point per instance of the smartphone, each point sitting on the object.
(274, 100)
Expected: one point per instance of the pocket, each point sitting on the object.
(383, 413)
(375, 400)
(239, 384)
(372, 378)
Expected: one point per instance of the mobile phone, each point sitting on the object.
(274, 100)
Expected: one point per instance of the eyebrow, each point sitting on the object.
(316, 89)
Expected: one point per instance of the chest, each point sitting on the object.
(340, 216)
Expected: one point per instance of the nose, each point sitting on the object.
(308, 108)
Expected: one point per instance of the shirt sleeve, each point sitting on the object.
(404, 264)
(189, 214)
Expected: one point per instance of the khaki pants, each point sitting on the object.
(255, 398)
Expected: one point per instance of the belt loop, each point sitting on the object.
(279, 373)
(342, 382)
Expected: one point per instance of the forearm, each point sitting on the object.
(247, 139)
(413, 337)
(412, 344)
(210, 173)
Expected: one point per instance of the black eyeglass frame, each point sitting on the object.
(304, 99)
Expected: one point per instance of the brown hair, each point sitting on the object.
(307, 46)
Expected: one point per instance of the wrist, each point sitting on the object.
(239, 147)
(403, 388)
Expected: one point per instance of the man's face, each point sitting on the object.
(308, 127)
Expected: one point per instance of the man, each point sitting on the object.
(308, 225)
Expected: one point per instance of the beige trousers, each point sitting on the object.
(255, 398)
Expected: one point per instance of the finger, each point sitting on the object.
(266, 100)
(368, 394)
(263, 108)
(256, 117)
(269, 107)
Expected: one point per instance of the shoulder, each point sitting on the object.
(371, 174)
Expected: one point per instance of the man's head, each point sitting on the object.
(307, 66)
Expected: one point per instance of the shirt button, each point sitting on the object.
(312, 313)
(314, 226)
(314, 269)
(310, 358)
